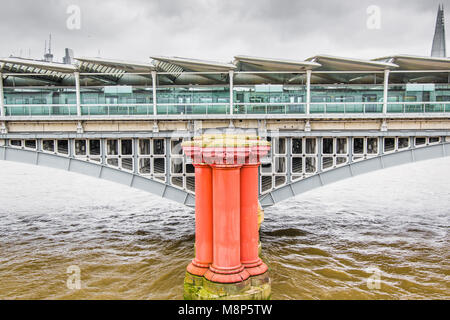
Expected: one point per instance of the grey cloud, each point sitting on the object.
(218, 29)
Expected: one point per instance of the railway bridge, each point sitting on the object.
(327, 118)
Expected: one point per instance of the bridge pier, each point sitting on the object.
(226, 264)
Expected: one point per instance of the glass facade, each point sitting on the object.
(267, 99)
(347, 98)
(406, 98)
(406, 94)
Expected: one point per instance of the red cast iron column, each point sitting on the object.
(249, 220)
(226, 266)
(203, 221)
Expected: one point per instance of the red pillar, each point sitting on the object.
(249, 220)
(203, 221)
(226, 266)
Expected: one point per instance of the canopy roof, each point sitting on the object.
(194, 65)
(249, 70)
(43, 71)
(333, 63)
(96, 64)
(409, 62)
(248, 63)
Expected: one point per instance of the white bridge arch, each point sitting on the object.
(276, 195)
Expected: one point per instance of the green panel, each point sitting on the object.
(395, 108)
(317, 108)
(354, 108)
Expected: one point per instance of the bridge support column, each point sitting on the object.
(249, 220)
(203, 221)
(226, 264)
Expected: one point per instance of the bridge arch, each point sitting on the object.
(97, 170)
(180, 196)
(353, 169)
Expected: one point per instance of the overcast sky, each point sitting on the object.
(218, 29)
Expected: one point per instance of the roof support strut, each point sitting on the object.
(231, 73)
(2, 97)
(308, 91)
(385, 92)
(77, 92)
(155, 109)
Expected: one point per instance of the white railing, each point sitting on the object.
(223, 108)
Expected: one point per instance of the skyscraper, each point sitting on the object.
(439, 49)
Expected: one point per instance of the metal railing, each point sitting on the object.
(116, 109)
(41, 110)
(31, 110)
(192, 108)
(270, 108)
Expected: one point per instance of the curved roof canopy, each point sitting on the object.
(248, 63)
(126, 66)
(194, 65)
(33, 66)
(333, 63)
(249, 70)
(42, 71)
(410, 62)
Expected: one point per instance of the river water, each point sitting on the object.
(383, 235)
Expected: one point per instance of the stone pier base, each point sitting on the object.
(254, 288)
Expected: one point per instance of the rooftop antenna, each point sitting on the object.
(48, 56)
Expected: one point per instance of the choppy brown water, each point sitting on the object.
(132, 245)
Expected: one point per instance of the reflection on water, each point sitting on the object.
(133, 245)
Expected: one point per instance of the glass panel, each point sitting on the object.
(16, 143)
(80, 147)
(358, 145)
(144, 146)
(341, 146)
(175, 147)
(310, 165)
(190, 183)
(144, 166)
(177, 181)
(297, 165)
(327, 162)
(266, 167)
(112, 147)
(113, 162)
(420, 141)
(158, 146)
(177, 166)
(310, 146)
(94, 147)
(280, 180)
(127, 147)
(63, 146)
(297, 146)
(389, 144)
(159, 165)
(127, 164)
(266, 183)
(403, 143)
(280, 145)
(48, 145)
(30, 144)
(372, 145)
(190, 168)
(280, 165)
(431, 139)
(327, 147)
(341, 160)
